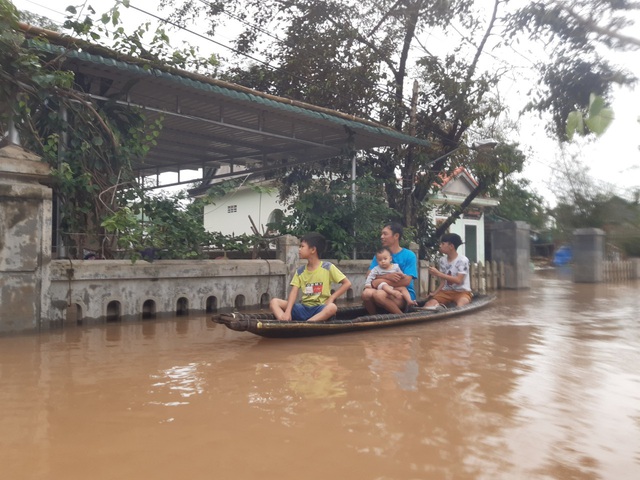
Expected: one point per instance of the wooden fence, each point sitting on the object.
(619, 270)
(483, 278)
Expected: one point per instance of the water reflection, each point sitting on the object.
(393, 363)
(543, 385)
(183, 380)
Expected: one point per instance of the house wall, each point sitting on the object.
(459, 228)
(230, 215)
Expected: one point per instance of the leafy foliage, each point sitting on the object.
(90, 144)
(355, 57)
(597, 119)
(148, 43)
(163, 226)
(326, 206)
(576, 32)
(519, 203)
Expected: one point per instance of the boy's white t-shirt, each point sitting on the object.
(459, 265)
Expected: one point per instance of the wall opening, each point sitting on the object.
(79, 315)
(471, 243)
(264, 300)
(350, 294)
(239, 303)
(212, 305)
(73, 314)
(275, 217)
(182, 307)
(148, 310)
(113, 311)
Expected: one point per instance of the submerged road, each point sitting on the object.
(542, 385)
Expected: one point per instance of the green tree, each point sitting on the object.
(357, 57)
(518, 202)
(326, 205)
(578, 33)
(90, 144)
(585, 203)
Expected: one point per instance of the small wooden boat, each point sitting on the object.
(348, 319)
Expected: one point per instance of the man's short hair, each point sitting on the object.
(315, 239)
(395, 227)
(452, 238)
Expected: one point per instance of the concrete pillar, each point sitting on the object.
(287, 252)
(25, 240)
(588, 255)
(635, 268)
(510, 244)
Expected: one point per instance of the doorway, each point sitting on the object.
(471, 243)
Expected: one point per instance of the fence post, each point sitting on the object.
(287, 252)
(472, 276)
(494, 274)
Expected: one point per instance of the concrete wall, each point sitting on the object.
(90, 287)
(93, 290)
(25, 239)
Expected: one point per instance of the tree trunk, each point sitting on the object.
(442, 228)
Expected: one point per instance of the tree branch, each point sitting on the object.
(591, 26)
(442, 228)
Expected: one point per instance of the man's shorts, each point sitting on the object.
(302, 313)
(451, 296)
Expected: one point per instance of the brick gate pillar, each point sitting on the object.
(511, 244)
(25, 240)
(588, 255)
(287, 251)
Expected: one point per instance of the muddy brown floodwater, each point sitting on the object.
(544, 384)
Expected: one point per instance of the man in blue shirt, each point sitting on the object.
(375, 300)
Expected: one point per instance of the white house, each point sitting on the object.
(470, 226)
(251, 205)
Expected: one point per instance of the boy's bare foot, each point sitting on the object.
(396, 294)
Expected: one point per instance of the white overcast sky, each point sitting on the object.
(613, 159)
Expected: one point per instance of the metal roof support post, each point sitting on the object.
(14, 136)
(62, 147)
(353, 194)
(352, 153)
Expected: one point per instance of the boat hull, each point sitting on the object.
(348, 319)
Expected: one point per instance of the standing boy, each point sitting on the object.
(372, 298)
(454, 270)
(314, 279)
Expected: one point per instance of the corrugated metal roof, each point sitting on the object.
(211, 124)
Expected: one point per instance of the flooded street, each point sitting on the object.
(544, 384)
